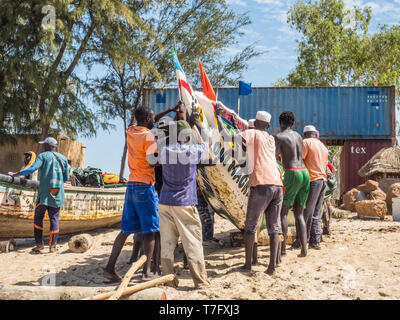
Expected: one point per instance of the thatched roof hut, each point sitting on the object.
(384, 164)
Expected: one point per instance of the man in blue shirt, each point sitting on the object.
(177, 206)
(54, 172)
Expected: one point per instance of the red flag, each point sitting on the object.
(207, 87)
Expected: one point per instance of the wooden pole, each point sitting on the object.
(125, 281)
(138, 287)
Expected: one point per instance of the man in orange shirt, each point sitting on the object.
(140, 212)
(315, 156)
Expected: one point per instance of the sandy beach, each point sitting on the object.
(360, 260)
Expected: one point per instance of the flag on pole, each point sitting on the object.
(186, 92)
(160, 98)
(244, 88)
(207, 87)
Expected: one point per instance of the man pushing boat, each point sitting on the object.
(289, 146)
(266, 186)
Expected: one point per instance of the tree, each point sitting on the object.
(198, 29)
(336, 49)
(41, 47)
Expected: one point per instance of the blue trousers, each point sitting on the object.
(54, 215)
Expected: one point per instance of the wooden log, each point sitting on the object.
(136, 288)
(149, 294)
(17, 292)
(125, 281)
(80, 243)
(7, 246)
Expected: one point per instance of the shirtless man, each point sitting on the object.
(289, 146)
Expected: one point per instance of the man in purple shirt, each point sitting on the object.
(177, 206)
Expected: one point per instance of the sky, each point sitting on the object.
(272, 34)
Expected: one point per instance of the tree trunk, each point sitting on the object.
(43, 135)
(123, 160)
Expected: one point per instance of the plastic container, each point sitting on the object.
(396, 209)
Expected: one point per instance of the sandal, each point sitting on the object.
(38, 250)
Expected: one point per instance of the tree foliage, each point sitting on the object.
(201, 29)
(41, 89)
(337, 49)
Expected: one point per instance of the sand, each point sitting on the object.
(361, 260)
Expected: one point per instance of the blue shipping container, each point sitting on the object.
(339, 114)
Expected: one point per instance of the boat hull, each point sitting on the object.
(85, 209)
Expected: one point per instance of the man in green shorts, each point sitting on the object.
(289, 146)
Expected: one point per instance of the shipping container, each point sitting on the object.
(353, 156)
(340, 114)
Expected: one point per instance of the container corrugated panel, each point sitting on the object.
(341, 113)
(354, 155)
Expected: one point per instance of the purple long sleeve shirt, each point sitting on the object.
(179, 167)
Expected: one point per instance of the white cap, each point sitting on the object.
(164, 121)
(251, 123)
(309, 129)
(263, 116)
(50, 141)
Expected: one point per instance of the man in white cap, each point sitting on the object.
(315, 156)
(251, 123)
(54, 172)
(266, 189)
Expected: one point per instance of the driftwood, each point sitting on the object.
(149, 294)
(7, 245)
(31, 292)
(125, 281)
(80, 243)
(127, 243)
(136, 288)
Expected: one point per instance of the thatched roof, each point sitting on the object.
(385, 161)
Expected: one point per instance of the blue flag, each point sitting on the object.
(160, 98)
(244, 88)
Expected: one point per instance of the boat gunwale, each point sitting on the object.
(70, 189)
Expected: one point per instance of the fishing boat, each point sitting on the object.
(85, 208)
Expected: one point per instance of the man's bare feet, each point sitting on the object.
(302, 255)
(150, 276)
(295, 245)
(112, 276)
(244, 268)
(270, 271)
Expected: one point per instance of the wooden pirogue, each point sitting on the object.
(85, 208)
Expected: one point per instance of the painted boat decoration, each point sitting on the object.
(85, 209)
(225, 186)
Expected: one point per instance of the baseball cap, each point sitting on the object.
(50, 141)
(183, 125)
(309, 129)
(165, 121)
(263, 116)
(251, 123)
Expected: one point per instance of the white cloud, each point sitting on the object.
(237, 2)
(277, 3)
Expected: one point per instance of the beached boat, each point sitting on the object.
(85, 208)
